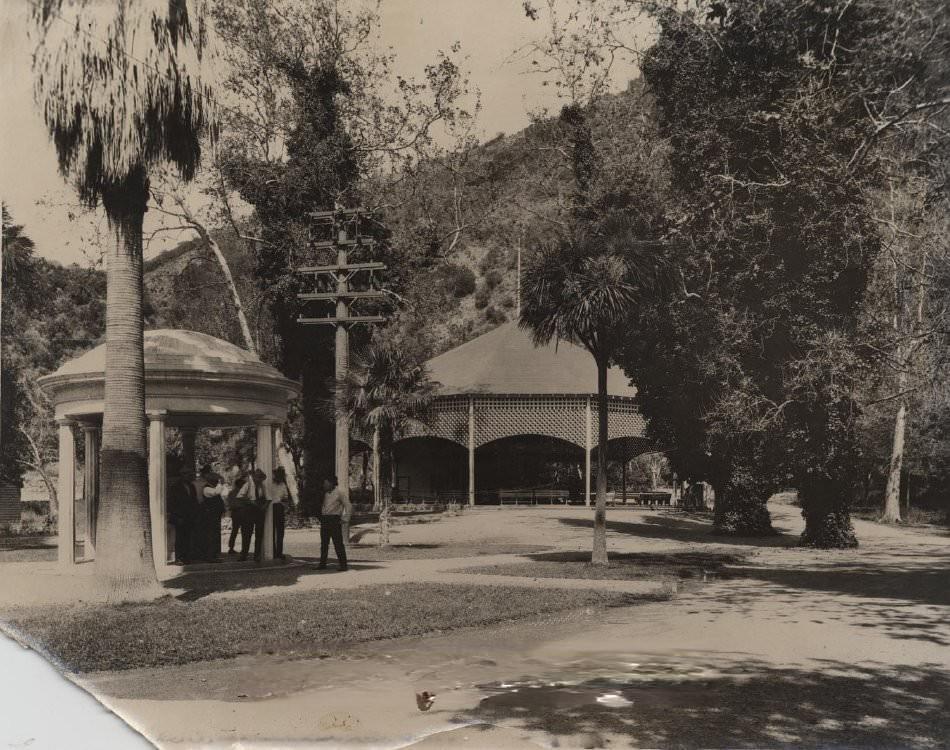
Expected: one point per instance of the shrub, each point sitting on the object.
(494, 315)
(481, 297)
(492, 279)
(458, 280)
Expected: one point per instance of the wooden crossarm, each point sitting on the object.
(330, 296)
(372, 266)
(351, 319)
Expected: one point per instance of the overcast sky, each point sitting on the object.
(488, 30)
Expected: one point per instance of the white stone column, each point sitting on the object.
(66, 493)
(587, 450)
(471, 450)
(156, 487)
(265, 462)
(91, 487)
(286, 461)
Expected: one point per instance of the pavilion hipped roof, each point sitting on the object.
(506, 361)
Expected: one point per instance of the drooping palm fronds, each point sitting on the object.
(568, 294)
(386, 393)
(386, 389)
(123, 86)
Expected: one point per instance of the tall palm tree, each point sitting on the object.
(122, 91)
(386, 392)
(583, 291)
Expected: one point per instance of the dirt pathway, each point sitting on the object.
(796, 648)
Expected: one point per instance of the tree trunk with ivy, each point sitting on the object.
(826, 509)
(741, 499)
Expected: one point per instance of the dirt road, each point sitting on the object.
(793, 648)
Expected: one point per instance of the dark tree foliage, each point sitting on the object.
(51, 313)
(320, 172)
(750, 378)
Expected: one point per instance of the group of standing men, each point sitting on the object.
(197, 505)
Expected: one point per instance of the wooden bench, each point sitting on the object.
(533, 497)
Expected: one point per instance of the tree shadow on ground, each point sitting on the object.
(684, 530)
(648, 559)
(746, 703)
(199, 584)
(904, 603)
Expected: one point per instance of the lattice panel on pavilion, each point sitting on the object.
(553, 416)
(449, 421)
(623, 420)
(497, 417)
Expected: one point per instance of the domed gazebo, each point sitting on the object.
(501, 387)
(192, 380)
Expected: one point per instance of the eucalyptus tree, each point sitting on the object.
(776, 112)
(123, 90)
(318, 117)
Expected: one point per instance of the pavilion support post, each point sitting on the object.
(188, 438)
(90, 487)
(587, 451)
(623, 478)
(156, 487)
(66, 494)
(471, 450)
(265, 462)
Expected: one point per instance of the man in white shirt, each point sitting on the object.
(253, 501)
(336, 511)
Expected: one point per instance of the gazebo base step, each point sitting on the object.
(229, 565)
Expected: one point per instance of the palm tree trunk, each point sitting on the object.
(599, 555)
(124, 550)
(385, 513)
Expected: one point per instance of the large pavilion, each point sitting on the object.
(191, 381)
(505, 405)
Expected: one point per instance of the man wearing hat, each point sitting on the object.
(253, 499)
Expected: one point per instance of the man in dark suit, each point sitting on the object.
(182, 514)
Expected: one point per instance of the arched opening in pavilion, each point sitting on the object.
(192, 381)
(430, 469)
(529, 469)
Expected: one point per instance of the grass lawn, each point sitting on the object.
(89, 638)
(622, 567)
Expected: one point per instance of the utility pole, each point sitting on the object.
(342, 296)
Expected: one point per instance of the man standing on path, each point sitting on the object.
(336, 512)
(278, 503)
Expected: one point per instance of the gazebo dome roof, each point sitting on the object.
(506, 361)
(193, 378)
(177, 350)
